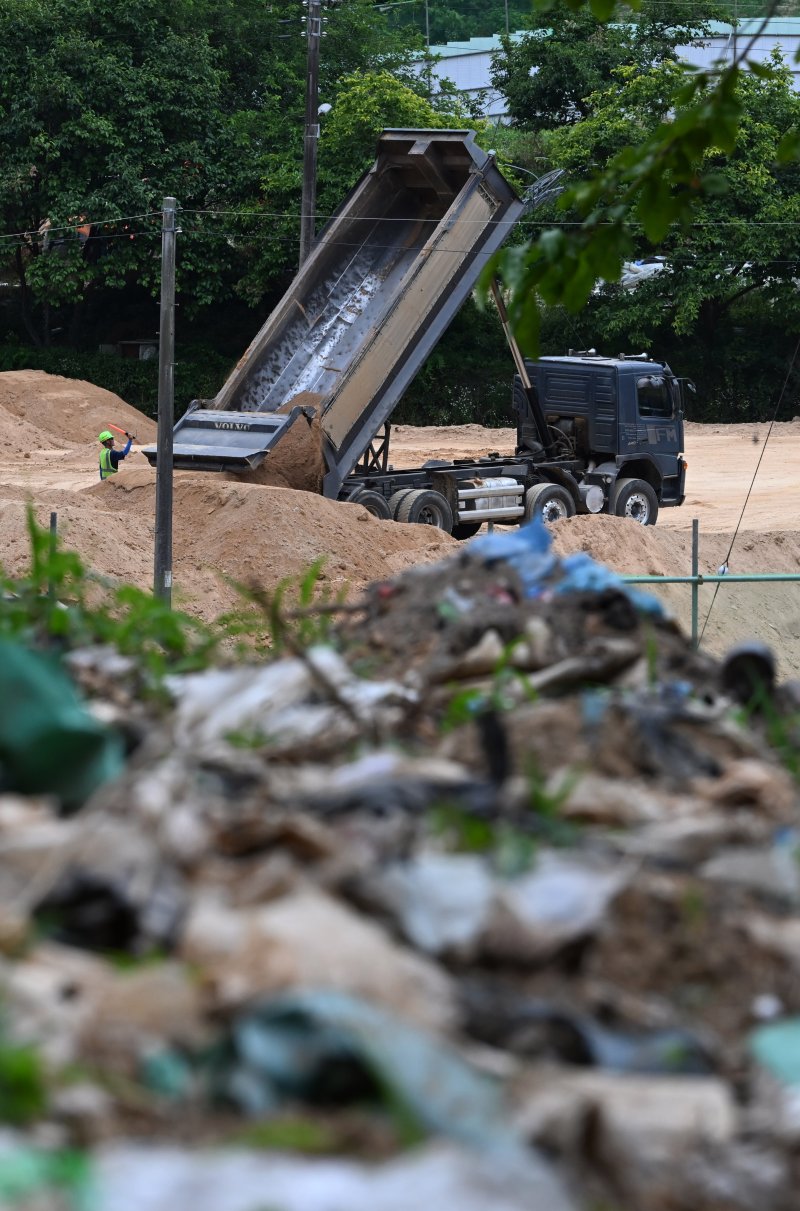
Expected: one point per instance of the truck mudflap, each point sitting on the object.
(206, 440)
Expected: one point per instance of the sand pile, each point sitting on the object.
(226, 529)
(297, 460)
(44, 410)
(624, 545)
(228, 532)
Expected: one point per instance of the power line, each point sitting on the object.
(38, 233)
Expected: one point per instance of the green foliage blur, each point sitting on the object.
(22, 1089)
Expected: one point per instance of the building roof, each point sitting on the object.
(773, 27)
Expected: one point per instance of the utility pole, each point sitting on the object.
(162, 579)
(428, 47)
(309, 201)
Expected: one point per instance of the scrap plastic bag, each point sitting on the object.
(528, 551)
(49, 743)
(317, 1044)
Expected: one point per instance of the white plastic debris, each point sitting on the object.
(442, 901)
(293, 698)
(130, 1178)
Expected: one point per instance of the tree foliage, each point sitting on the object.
(653, 185)
(96, 122)
(734, 265)
(106, 109)
(742, 233)
(549, 74)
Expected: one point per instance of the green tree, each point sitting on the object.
(255, 211)
(549, 74)
(742, 236)
(656, 183)
(367, 102)
(103, 110)
(736, 263)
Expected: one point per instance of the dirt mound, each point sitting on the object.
(237, 531)
(39, 409)
(624, 545)
(727, 613)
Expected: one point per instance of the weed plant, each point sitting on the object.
(61, 605)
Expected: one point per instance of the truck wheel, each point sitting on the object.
(463, 530)
(395, 501)
(427, 508)
(634, 498)
(551, 502)
(373, 502)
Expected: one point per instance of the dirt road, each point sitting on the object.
(722, 462)
(238, 531)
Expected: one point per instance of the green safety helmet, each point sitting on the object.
(105, 436)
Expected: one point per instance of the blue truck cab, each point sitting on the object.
(610, 423)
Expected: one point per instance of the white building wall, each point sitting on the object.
(467, 64)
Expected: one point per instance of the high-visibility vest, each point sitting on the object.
(106, 466)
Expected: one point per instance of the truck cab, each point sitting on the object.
(616, 419)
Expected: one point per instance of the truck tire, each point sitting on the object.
(634, 498)
(396, 499)
(551, 502)
(427, 508)
(373, 502)
(463, 530)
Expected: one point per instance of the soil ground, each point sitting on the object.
(741, 478)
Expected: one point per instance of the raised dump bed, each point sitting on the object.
(384, 279)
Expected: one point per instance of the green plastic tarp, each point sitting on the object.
(49, 743)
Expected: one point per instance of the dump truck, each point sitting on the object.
(384, 279)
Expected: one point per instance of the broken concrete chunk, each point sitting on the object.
(653, 1118)
(159, 1001)
(690, 839)
(290, 700)
(310, 940)
(752, 783)
(442, 901)
(51, 996)
(773, 872)
(617, 801)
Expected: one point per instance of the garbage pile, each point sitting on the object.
(491, 899)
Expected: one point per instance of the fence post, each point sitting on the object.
(695, 573)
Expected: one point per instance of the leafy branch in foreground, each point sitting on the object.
(294, 616)
(652, 186)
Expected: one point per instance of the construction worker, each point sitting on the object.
(109, 457)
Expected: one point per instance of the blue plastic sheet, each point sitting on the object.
(528, 551)
(285, 1047)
